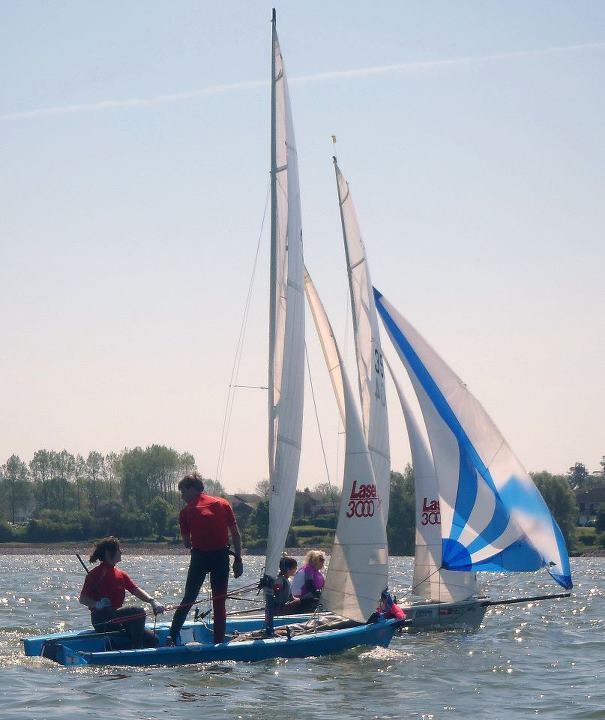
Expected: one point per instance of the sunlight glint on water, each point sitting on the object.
(537, 660)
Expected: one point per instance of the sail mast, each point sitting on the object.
(273, 254)
(287, 316)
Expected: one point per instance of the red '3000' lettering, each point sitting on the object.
(431, 518)
(361, 508)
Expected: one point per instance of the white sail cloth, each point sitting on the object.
(287, 318)
(492, 515)
(358, 570)
(368, 350)
(430, 581)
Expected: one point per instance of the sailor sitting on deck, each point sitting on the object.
(282, 591)
(387, 609)
(103, 594)
(307, 584)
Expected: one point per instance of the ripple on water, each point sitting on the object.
(542, 659)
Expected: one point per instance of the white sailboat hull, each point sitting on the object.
(465, 614)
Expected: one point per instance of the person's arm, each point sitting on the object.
(146, 597)
(87, 600)
(184, 525)
(236, 540)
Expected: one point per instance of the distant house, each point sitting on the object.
(589, 502)
(243, 505)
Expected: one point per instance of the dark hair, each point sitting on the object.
(287, 563)
(110, 543)
(193, 480)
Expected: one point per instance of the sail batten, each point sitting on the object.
(492, 517)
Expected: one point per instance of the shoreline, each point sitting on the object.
(165, 548)
(84, 548)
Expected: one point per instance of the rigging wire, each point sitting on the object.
(340, 429)
(239, 351)
(321, 440)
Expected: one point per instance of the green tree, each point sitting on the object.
(262, 488)
(159, 511)
(40, 468)
(16, 486)
(600, 522)
(214, 487)
(328, 494)
(62, 494)
(94, 467)
(257, 528)
(578, 475)
(561, 501)
(401, 526)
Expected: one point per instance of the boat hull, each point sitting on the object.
(466, 614)
(92, 649)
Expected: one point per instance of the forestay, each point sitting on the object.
(430, 581)
(358, 570)
(492, 515)
(286, 324)
(370, 364)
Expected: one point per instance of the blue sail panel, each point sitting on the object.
(493, 516)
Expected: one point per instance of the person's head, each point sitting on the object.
(386, 600)
(107, 550)
(316, 559)
(287, 566)
(190, 486)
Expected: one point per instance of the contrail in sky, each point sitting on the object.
(409, 67)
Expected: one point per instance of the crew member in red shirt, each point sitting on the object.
(103, 594)
(206, 524)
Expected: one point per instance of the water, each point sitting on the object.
(541, 660)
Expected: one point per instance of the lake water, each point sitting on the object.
(544, 660)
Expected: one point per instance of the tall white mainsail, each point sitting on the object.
(370, 364)
(287, 316)
(430, 581)
(492, 515)
(358, 570)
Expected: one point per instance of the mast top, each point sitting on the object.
(273, 16)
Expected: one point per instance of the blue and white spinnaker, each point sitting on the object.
(492, 515)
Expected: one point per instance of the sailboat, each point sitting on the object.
(358, 571)
(490, 515)
(507, 515)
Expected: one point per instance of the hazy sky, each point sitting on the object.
(134, 159)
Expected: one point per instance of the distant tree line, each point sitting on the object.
(60, 496)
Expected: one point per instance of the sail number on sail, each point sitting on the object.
(431, 514)
(379, 391)
(362, 502)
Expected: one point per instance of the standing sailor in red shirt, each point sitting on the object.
(206, 524)
(103, 594)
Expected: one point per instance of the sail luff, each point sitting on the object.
(358, 570)
(368, 350)
(354, 304)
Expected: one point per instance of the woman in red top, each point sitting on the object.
(103, 594)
